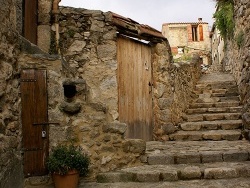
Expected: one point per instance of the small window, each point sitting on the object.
(194, 33)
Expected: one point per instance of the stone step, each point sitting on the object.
(217, 99)
(211, 125)
(243, 182)
(219, 92)
(195, 156)
(214, 135)
(214, 110)
(176, 147)
(216, 85)
(213, 117)
(214, 104)
(161, 173)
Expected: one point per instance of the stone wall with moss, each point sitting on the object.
(237, 56)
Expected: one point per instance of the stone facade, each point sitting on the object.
(217, 50)
(185, 38)
(238, 57)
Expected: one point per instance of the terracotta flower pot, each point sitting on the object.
(69, 180)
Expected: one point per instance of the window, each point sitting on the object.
(194, 33)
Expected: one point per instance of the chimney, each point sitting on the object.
(200, 19)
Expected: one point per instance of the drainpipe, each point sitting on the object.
(55, 12)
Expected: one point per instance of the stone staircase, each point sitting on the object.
(208, 145)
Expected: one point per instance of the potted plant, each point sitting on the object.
(66, 164)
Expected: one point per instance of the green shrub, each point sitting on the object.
(224, 18)
(240, 37)
(65, 158)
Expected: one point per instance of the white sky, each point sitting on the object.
(152, 12)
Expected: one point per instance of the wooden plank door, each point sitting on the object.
(30, 20)
(34, 121)
(135, 88)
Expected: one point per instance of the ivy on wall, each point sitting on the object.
(224, 18)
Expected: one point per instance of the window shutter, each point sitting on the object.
(201, 32)
(189, 30)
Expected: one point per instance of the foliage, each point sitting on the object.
(53, 49)
(65, 158)
(240, 37)
(224, 18)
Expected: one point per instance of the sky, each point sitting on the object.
(152, 12)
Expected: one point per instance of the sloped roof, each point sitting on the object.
(185, 23)
(132, 28)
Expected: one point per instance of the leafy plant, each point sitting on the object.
(240, 37)
(65, 158)
(224, 18)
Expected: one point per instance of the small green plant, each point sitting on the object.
(240, 37)
(65, 158)
(224, 18)
(71, 33)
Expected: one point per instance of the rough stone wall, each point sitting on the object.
(88, 47)
(10, 138)
(173, 83)
(237, 56)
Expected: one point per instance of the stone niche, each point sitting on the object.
(70, 90)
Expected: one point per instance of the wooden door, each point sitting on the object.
(34, 121)
(135, 87)
(30, 20)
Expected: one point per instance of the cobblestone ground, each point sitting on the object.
(232, 183)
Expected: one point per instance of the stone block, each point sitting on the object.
(160, 159)
(211, 156)
(188, 158)
(43, 39)
(191, 126)
(115, 127)
(113, 177)
(191, 172)
(212, 135)
(231, 125)
(212, 117)
(165, 103)
(220, 173)
(235, 155)
(169, 175)
(186, 135)
(44, 8)
(147, 176)
(134, 146)
(198, 117)
(231, 116)
(231, 135)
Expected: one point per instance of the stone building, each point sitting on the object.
(217, 46)
(99, 80)
(187, 38)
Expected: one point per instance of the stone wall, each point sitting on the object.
(237, 57)
(88, 62)
(10, 135)
(174, 84)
